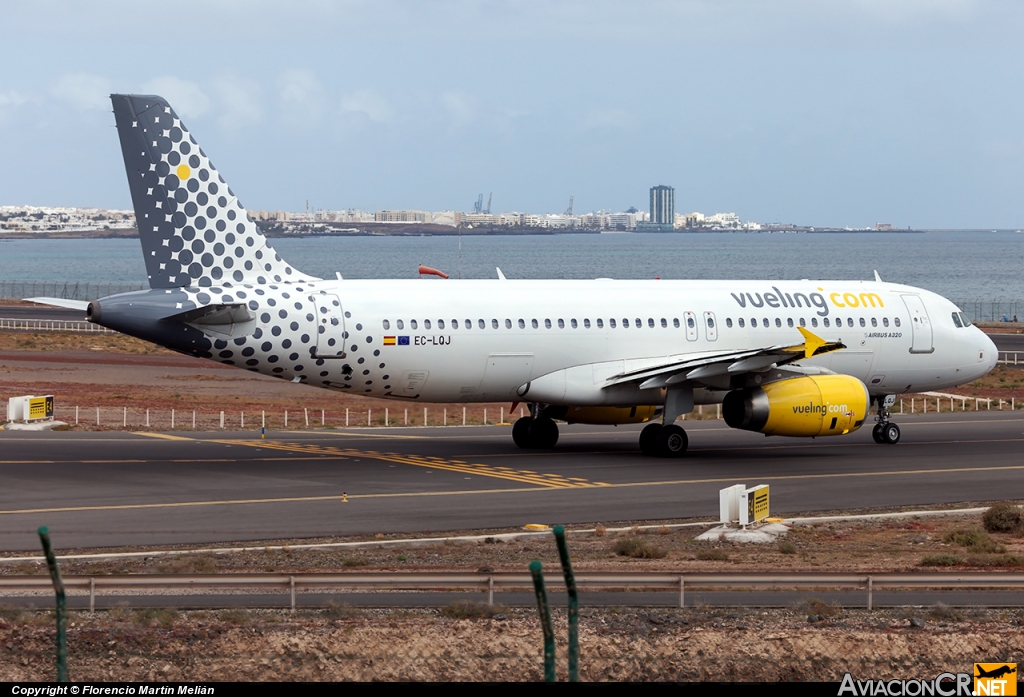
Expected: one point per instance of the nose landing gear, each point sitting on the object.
(885, 432)
(540, 433)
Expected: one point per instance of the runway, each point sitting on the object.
(117, 489)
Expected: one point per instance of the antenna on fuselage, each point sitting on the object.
(877, 277)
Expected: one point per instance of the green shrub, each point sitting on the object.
(976, 541)
(471, 610)
(942, 560)
(787, 548)
(638, 549)
(1003, 517)
(712, 555)
(816, 606)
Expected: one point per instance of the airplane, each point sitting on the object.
(785, 358)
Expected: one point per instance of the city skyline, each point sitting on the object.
(838, 114)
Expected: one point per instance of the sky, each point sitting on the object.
(815, 112)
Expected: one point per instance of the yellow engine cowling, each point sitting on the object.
(815, 405)
(602, 415)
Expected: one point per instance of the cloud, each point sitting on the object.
(369, 104)
(459, 106)
(302, 95)
(609, 118)
(186, 97)
(10, 98)
(83, 91)
(240, 102)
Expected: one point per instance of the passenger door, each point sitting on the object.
(920, 326)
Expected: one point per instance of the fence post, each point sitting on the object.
(222, 420)
(545, 620)
(97, 416)
(871, 590)
(323, 417)
(346, 417)
(574, 604)
(463, 416)
(62, 619)
(305, 412)
(485, 416)
(386, 416)
(193, 419)
(682, 592)
(124, 421)
(368, 416)
(172, 419)
(147, 418)
(406, 421)
(286, 418)
(291, 584)
(241, 419)
(445, 422)
(92, 595)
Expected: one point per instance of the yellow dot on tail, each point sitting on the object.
(184, 172)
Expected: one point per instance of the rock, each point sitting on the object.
(916, 622)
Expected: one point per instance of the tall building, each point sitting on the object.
(663, 205)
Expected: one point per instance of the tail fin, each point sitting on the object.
(193, 229)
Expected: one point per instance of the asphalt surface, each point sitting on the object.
(117, 489)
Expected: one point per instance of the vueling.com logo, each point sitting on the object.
(808, 300)
(813, 408)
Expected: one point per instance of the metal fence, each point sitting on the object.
(70, 290)
(47, 325)
(991, 310)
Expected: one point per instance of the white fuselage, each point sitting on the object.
(484, 340)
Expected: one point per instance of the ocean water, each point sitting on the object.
(976, 266)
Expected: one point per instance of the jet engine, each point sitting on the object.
(602, 415)
(813, 405)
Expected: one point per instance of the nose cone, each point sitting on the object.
(988, 354)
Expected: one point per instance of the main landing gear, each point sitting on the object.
(657, 440)
(885, 432)
(531, 433)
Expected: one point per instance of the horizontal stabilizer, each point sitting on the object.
(61, 302)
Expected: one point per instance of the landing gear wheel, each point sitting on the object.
(671, 441)
(543, 433)
(521, 432)
(891, 434)
(648, 439)
(876, 434)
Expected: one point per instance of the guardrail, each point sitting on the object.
(50, 325)
(72, 290)
(494, 582)
(1011, 357)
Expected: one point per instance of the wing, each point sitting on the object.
(82, 305)
(709, 366)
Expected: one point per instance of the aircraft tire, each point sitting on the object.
(543, 433)
(648, 439)
(521, 432)
(876, 434)
(672, 441)
(891, 434)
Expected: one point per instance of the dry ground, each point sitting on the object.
(472, 643)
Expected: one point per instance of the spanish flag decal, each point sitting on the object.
(389, 341)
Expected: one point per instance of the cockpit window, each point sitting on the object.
(956, 320)
(964, 319)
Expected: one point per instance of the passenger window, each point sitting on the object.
(650, 322)
(956, 321)
(440, 324)
(534, 323)
(561, 323)
(412, 324)
(814, 322)
(426, 324)
(547, 324)
(675, 322)
(638, 324)
(802, 322)
(862, 322)
(494, 324)
(664, 323)
(711, 323)
(600, 324)
(766, 322)
(753, 322)
(728, 322)
(885, 321)
(387, 325)
(586, 324)
(400, 324)
(778, 322)
(611, 323)
(625, 323)
(455, 324)
(789, 321)
(480, 323)
(690, 323)
(896, 321)
(522, 323)
(874, 321)
(740, 320)
(508, 323)
(572, 322)
(469, 324)
(825, 321)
